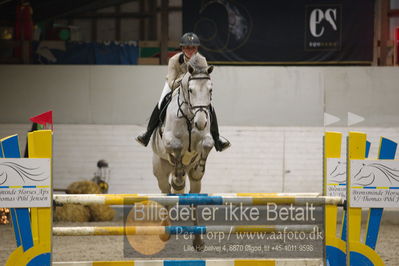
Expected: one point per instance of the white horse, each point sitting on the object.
(181, 146)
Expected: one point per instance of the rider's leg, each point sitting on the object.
(220, 144)
(152, 125)
(155, 118)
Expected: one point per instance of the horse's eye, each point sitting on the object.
(190, 90)
(210, 91)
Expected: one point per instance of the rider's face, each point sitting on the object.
(189, 51)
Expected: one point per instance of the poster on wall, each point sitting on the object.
(283, 32)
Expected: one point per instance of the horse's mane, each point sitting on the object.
(199, 63)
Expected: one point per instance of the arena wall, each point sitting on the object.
(261, 159)
(243, 96)
(272, 115)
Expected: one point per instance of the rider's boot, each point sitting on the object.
(144, 138)
(220, 144)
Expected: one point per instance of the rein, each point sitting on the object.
(200, 108)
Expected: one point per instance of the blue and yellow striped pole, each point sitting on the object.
(178, 230)
(196, 199)
(206, 262)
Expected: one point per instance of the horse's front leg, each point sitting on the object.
(174, 147)
(178, 179)
(197, 172)
(162, 170)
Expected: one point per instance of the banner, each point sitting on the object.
(25, 182)
(283, 32)
(80, 53)
(374, 183)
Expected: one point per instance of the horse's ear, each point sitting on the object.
(210, 69)
(190, 69)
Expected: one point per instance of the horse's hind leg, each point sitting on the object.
(162, 170)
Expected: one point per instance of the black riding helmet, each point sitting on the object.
(189, 39)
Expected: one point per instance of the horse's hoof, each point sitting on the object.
(178, 187)
(198, 244)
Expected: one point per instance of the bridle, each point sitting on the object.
(194, 109)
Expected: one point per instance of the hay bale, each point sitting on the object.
(80, 213)
(101, 213)
(72, 213)
(83, 187)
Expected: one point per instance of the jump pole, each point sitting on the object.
(168, 200)
(176, 230)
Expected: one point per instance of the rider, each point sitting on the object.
(177, 67)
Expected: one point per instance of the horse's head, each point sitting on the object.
(199, 90)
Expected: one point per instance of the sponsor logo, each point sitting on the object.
(323, 27)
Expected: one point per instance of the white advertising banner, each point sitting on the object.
(374, 183)
(336, 177)
(25, 182)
